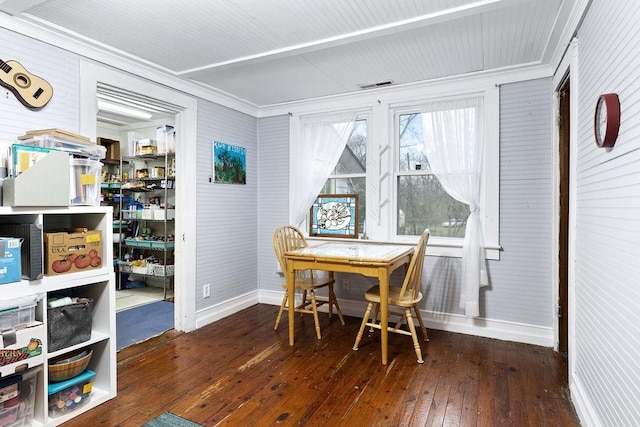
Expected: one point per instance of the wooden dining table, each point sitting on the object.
(366, 258)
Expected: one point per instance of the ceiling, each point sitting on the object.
(268, 52)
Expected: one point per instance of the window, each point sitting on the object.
(349, 175)
(386, 164)
(421, 200)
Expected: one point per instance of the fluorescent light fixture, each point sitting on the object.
(120, 109)
(135, 103)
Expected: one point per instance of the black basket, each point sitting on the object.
(69, 324)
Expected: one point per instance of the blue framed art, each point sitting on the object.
(229, 163)
(334, 215)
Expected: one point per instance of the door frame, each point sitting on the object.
(568, 66)
(186, 142)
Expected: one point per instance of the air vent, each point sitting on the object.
(374, 85)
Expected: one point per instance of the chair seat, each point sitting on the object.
(306, 284)
(373, 295)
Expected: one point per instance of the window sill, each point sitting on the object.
(436, 247)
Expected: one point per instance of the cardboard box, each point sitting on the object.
(145, 146)
(112, 146)
(10, 264)
(30, 249)
(21, 348)
(72, 252)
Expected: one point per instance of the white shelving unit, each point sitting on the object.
(98, 284)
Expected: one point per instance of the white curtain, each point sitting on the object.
(314, 156)
(454, 143)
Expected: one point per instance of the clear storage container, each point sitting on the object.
(85, 182)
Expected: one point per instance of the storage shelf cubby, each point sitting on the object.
(98, 284)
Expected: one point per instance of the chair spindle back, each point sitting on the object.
(287, 238)
(413, 279)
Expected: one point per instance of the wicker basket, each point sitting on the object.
(69, 366)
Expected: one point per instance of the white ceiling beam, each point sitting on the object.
(477, 7)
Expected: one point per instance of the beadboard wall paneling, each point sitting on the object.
(606, 370)
(59, 67)
(226, 214)
(273, 195)
(521, 281)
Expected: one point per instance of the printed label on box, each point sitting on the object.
(33, 349)
(10, 260)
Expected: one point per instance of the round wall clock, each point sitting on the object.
(607, 120)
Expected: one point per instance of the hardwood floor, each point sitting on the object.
(238, 371)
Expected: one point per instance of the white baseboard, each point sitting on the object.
(582, 404)
(499, 329)
(226, 308)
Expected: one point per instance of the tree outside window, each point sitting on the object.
(421, 200)
(349, 175)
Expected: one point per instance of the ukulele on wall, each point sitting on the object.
(32, 91)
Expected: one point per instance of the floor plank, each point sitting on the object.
(239, 371)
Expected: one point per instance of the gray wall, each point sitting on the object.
(521, 281)
(273, 197)
(520, 289)
(226, 218)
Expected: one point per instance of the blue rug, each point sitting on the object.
(169, 420)
(141, 323)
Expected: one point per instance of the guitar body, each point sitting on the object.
(32, 91)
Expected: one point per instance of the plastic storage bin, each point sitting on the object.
(85, 182)
(17, 398)
(12, 317)
(85, 149)
(66, 396)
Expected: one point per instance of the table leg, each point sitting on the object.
(384, 312)
(290, 277)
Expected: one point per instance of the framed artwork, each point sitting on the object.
(334, 215)
(229, 163)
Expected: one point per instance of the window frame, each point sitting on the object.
(381, 212)
(489, 196)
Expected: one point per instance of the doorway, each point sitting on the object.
(98, 75)
(564, 132)
(141, 205)
(126, 119)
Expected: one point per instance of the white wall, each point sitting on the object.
(605, 375)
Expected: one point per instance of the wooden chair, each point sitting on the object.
(287, 238)
(405, 297)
